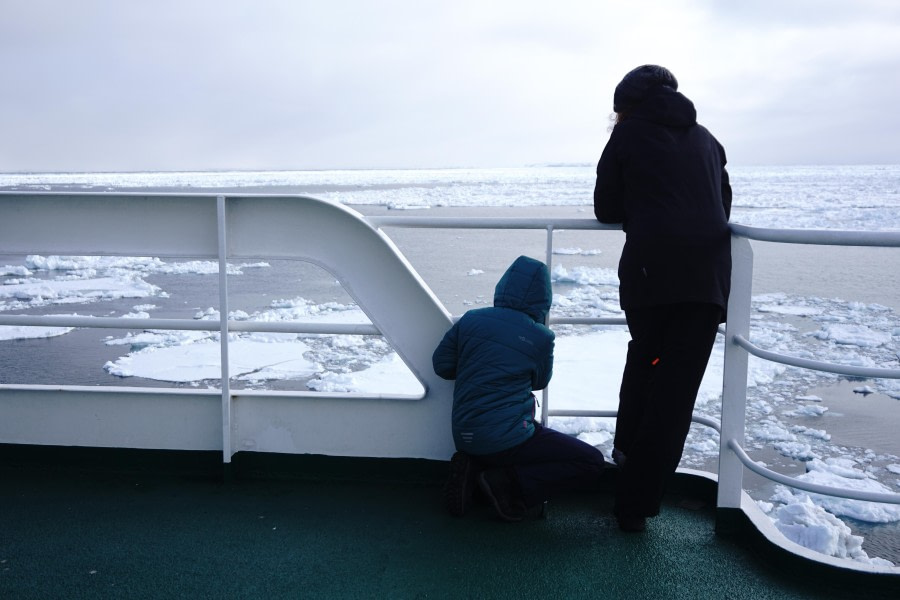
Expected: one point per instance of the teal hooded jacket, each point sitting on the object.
(498, 356)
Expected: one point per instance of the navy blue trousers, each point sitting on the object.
(667, 356)
(547, 463)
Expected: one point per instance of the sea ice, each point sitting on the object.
(800, 311)
(796, 450)
(809, 525)
(809, 398)
(853, 334)
(15, 271)
(585, 276)
(576, 252)
(159, 339)
(808, 410)
(390, 375)
(24, 332)
(813, 433)
(842, 473)
(248, 360)
(40, 292)
(139, 264)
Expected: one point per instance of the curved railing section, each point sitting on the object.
(815, 488)
(327, 234)
(738, 348)
(816, 365)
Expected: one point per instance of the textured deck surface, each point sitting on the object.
(70, 531)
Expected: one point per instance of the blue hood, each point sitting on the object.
(525, 287)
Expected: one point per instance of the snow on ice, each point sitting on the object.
(809, 525)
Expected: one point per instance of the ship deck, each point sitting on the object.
(89, 523)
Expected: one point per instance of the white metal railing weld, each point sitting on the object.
(888, 498)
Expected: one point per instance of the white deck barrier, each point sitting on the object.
(327, 234)
(366, 262)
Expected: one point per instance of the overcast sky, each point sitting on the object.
(93, 85)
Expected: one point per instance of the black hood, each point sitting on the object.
(667, 107)
(635, 86)
(525, 287)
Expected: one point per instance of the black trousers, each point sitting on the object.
(548, 463)
(667, 356)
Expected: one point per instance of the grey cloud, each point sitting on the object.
(209, 85)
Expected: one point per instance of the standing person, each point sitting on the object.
(498, 356)
(662, 176)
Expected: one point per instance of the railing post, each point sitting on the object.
(223, 331)
(545, 395)
(734, 380)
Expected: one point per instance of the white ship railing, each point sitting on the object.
(732, 457)
(738, 348)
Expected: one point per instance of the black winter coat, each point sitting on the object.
(663, 177)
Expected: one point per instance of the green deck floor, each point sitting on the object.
(69, 531)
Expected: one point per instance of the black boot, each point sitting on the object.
(501, 488)
(460, 486)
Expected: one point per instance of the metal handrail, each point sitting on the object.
(488, 223)
(244, 325)
(818, 237)
(736, 365)
(815, 488)
(191, 324)
(817, 365)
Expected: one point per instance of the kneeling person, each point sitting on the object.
(498, 356)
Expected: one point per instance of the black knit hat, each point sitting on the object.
(635, 85)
